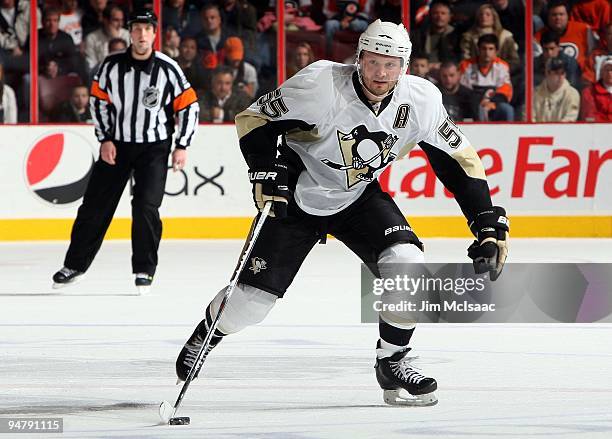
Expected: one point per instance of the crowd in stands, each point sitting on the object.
(473, 50)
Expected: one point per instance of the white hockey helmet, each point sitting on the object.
(386, 38)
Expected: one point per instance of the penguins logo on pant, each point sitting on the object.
(257, 265)
(364, 153)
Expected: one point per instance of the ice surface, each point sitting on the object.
(103, 358)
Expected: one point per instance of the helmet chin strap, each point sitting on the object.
(372, 97)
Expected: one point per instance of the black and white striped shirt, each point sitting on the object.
(135, 101)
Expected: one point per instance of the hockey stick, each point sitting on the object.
(167, 412)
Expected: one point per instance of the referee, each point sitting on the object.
(136, 98)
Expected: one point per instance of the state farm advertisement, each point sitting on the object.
(532, 170)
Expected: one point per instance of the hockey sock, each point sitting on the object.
(392, 339)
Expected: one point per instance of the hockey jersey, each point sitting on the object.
(344, 143)
(495, 78)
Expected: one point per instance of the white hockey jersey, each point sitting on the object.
(343, 142)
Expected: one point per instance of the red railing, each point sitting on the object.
(280, 51)
(529, 60)
(33, 64)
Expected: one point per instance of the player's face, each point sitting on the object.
(557, 18)
(142, 35)
(379, 73)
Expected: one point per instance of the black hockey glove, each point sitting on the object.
(490, 249)
(269, 181)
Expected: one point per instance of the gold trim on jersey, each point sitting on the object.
(248, 120)
(470, 162)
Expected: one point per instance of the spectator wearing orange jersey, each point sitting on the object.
(576, 40)
(489, 77)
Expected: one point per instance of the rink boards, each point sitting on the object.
(554, 180)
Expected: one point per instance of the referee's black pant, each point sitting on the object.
(149, 163)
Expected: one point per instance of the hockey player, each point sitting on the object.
(341, 125)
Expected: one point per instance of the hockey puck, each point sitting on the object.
(183, 420)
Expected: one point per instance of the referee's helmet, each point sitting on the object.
(143, 16)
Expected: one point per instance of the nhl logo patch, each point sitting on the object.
(150, 97)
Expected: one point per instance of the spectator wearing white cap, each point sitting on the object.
(597, 99)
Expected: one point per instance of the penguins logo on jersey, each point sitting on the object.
(364, 153)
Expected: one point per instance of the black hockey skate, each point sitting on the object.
(143, 282)
(67, 276)
(395, 374)
(191, 349)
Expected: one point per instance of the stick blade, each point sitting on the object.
(166, 411)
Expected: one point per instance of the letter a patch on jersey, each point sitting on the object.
(401, 117)
(363, 153)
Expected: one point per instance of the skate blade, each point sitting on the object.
(143, 290)
(76, 280)
(166, 411)
(399, 398)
